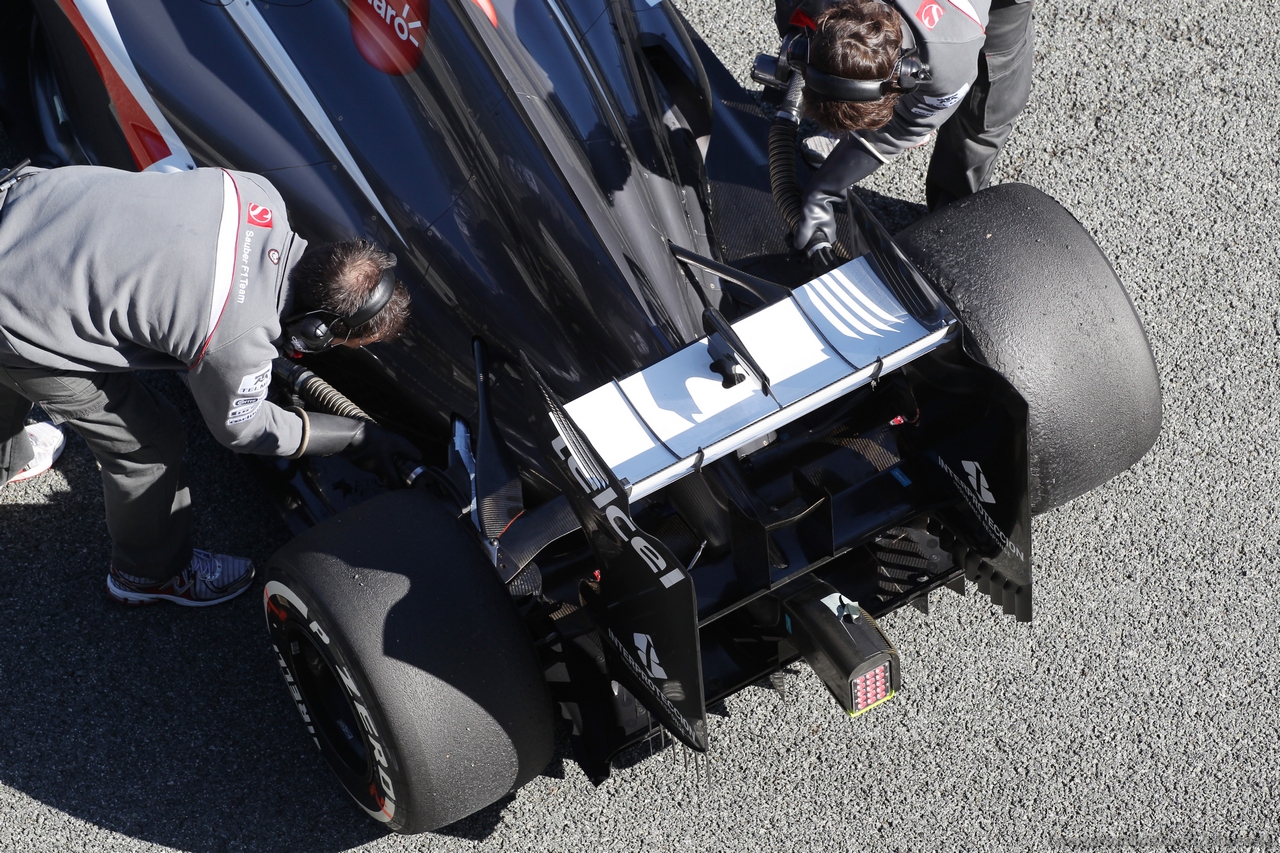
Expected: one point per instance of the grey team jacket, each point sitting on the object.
(105, 270)
(949, 34)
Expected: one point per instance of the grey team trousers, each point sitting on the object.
(136, 436)
(968, 143)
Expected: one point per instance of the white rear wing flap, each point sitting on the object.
(829, 337)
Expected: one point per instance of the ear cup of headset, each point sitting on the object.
(911, 72)
(313, 333)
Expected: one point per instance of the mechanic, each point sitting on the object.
(978, 54)
(103, 272)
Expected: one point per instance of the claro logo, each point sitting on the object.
(390, 35)
(618, 519)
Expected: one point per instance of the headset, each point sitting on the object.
(312, 331)
(775, 71)
(908, 73)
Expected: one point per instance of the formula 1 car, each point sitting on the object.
(663, 459)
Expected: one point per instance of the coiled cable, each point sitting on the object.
(316, 392)
(783, 135)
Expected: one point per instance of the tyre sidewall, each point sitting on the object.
(1042, 306)
(384, 792)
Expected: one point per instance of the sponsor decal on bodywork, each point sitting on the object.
(672, 717)
(641, 591)
(389, 35)
(620, 520)
(975, 504)
(649, 655)
(978, 481)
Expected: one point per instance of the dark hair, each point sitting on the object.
(338, 277)
(861, 40)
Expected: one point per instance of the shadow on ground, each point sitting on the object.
(164, 724)
(161, 723)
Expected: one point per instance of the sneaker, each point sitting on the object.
(817, 148)
(209, 579)
(47, 442)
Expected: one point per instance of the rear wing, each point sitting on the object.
(633, 436)
(827, 338)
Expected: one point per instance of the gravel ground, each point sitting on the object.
(1138, 711)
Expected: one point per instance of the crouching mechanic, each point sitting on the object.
(103, 272)
(977, 79)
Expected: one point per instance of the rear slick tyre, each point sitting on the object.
(408, 662)
(1042, 306)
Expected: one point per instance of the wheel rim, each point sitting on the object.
(326, 697)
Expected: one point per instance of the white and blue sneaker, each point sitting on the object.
(209, 579)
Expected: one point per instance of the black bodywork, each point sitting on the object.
(531, 171)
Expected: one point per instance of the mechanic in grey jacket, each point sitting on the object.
(979, 54)
(103, 272)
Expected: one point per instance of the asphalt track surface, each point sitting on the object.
(1138, 711)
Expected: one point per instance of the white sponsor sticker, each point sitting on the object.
(245, 401)
(933, 105)
(255, 383)
(242, 410)
(978, 482)
(649, 656)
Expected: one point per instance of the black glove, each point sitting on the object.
(849, 163)
(363, 442)
(819, 216)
